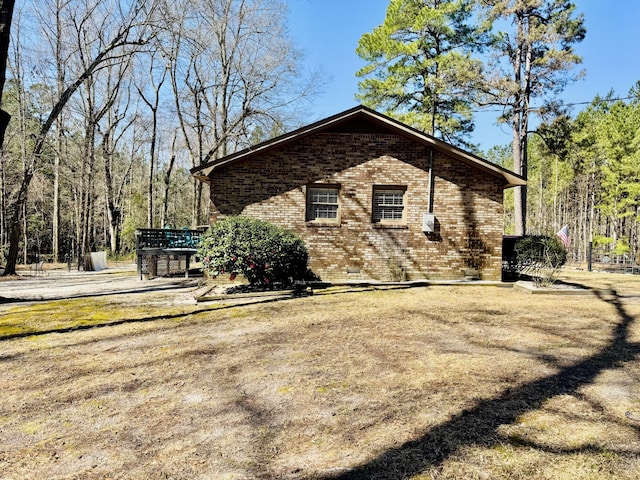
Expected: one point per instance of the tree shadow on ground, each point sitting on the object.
(223, 305)
(478, 426)
(115, 323)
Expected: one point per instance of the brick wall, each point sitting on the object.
(467, 205)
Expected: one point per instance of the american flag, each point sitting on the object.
(563, 234)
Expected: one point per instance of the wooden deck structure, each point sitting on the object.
(172, 246)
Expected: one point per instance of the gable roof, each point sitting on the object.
(510, 178)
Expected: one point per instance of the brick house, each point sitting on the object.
(372, 198)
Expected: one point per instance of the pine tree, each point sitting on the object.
(533, 59)
(420, 68)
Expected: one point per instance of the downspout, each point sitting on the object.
(431, 180)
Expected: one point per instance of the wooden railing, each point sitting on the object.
(166, 239)
(152, 243)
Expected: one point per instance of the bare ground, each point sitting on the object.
(433, 382)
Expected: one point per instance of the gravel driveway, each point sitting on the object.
(61, 284)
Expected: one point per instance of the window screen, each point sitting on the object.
(322, 203)
(388, 204)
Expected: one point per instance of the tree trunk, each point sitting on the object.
(167, 182)
(6, 15)
(520, 192)
(14, 224)
(3, 193)
(59, 141)
(86, 194)
(113, 212)
(55, 230)
(153, 106)
(152, 157)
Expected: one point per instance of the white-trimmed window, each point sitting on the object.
(389, 204)
(323, 203)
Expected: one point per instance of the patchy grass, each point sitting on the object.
(423, 383)
(73, 314)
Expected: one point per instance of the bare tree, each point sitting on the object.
(132, 32)
(234, 76)
(55, 33)
(100, 93)
(234, 71)
(117, 125)
(166, 178)
(155, 79)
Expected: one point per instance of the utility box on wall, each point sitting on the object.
(428, 223)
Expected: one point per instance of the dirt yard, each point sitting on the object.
(135, 380)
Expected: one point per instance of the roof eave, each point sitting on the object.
(202, 172)
(510, 178)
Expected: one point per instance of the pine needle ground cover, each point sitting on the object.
(442, 382)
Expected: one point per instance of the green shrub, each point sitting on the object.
(622, 247)
(540, 256)
(602, 241)
(264, 253)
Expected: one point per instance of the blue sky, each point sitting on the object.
(328, 32)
